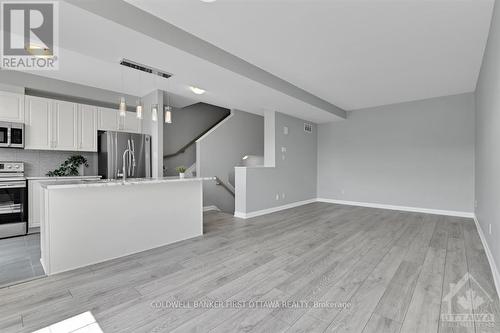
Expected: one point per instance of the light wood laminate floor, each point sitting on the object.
(315, 268)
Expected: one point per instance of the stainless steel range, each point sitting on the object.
(13, 200)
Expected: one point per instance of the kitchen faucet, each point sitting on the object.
(124, 169)
(130, 152)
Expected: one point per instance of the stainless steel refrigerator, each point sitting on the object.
(112, 145)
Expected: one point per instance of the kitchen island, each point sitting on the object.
(88, 222)
(35, 193)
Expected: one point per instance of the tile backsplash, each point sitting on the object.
(38, 162)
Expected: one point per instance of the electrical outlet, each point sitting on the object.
(277, 196)
(285, 130)
(489, 229)
(283, 157)
(283, 195)
(342, 191)
(283, 149)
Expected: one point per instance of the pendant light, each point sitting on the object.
(168, 114)
(154, 112)
(122, 108)
(154, 107)
(168, 109)
(138, 110)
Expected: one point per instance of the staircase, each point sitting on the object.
(225, 185)
(186, 154)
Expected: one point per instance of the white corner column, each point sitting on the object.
(155, 129)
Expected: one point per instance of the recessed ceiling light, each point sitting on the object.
(208, 1)
(197, 91)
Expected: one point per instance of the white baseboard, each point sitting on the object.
(272, 210)
(355, 203)
(489, 255)
(401, 208)
(209, 208)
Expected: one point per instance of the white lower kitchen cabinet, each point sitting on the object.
(12, 107)
(34, 195)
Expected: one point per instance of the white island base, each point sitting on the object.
(88, 223)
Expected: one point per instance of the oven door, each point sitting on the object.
(13, 208)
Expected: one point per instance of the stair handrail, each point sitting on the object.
(186, 146)
(228, 187)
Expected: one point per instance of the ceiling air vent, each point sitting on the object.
(308, 127)
(144, 68)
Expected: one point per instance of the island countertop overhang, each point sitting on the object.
(118, 182)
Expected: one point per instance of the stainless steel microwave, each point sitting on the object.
(11, 135)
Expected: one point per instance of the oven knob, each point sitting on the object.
(9, 166)
(17, 166)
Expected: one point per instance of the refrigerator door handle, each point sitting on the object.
(133, 157)
(115, 149)
(147, 155)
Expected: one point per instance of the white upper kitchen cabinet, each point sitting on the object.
(87, 128)
(65, 125)
(130, 123)
(11, 107)
(59, 125)
(108, 119)
(38, 123)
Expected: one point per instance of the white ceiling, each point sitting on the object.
(354, 53)
(92, 46)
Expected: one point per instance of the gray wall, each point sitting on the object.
(487, 157)
(220, 150)
(38, 162)
(293, 178)
(415, 154)
(187, 124)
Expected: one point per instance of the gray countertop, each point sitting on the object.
(118, 182)
(63, 178)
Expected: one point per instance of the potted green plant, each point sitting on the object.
(181, 170)
(70, 167)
